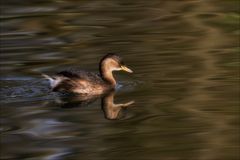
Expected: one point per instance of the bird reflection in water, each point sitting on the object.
(111, 110)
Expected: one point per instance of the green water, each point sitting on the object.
(185, 85)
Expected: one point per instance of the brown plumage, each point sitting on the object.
(83, 82)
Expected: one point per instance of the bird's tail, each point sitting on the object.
(54, 81)
(47, 77)
(51, 80)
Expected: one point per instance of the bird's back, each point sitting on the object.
(79, 82)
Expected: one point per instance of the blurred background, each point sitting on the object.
(185, 58)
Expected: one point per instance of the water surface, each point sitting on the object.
(185, 58)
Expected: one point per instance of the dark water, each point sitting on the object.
(185, 58)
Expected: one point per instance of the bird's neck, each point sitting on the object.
(107, 75)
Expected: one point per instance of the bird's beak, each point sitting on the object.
(124, 68)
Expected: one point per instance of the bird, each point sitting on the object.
(89, 83)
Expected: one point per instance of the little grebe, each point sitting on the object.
(83, 82)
